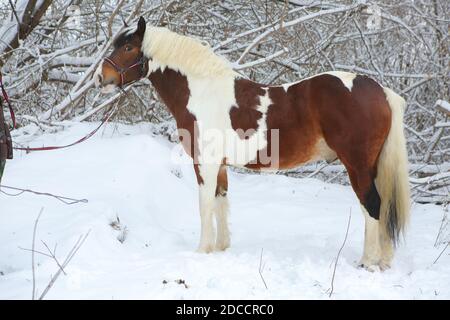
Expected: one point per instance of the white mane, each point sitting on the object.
(188, 55)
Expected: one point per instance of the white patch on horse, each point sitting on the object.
(287, 85)
(346, 78)
(210, 101)
(240, 152)
(98, 74)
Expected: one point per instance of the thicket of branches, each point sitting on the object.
(49, 49)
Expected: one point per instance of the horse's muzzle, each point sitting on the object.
(98, 78)
(106, 85)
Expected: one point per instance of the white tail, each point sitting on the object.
(392, 175)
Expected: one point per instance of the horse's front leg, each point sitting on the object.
(207, 179)
(221, 207)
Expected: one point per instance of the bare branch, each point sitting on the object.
(339, 253)
(33, 296)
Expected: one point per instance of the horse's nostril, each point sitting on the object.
(98, 80)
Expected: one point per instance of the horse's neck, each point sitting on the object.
(172, 87)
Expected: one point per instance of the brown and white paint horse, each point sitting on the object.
(328, 116)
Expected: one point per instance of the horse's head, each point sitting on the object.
(126, 63)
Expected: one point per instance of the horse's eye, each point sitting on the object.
(128, 48)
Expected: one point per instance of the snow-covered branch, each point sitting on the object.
(25, 16)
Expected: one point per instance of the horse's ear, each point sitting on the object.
(141, 27)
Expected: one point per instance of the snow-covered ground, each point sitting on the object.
(128, 173)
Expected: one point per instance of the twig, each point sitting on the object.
(40, 252)
(69, 257)
(441, 228)
(61, 267)
(293, 22)
(323, 165)
(112, 16)
(371, 55)
(448, 242)
(53, 255)
(15, 15)
(64, 200)
(137, 9)
(261, 60)
(261, 267)
(32, 254)
(339, 253)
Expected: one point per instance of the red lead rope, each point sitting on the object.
(105, 119)
(5, 95)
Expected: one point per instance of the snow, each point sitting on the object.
(443, 106)
(127, 172)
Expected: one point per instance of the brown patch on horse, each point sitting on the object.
(299, 132)
(173, 90)
(244, 117)
(222, 182)
(197, 174)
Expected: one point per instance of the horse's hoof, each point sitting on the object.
(376, 267)
(370, 268)
(384, 266)
(222, 246)
(205, 249)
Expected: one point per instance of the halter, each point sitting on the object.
(141, 62)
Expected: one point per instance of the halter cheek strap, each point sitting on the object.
(117, 68)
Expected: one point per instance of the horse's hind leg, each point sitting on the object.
(378, 249)
(372, 248)
(363, 184)
(221, 210)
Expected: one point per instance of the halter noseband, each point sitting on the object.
(122, 71)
